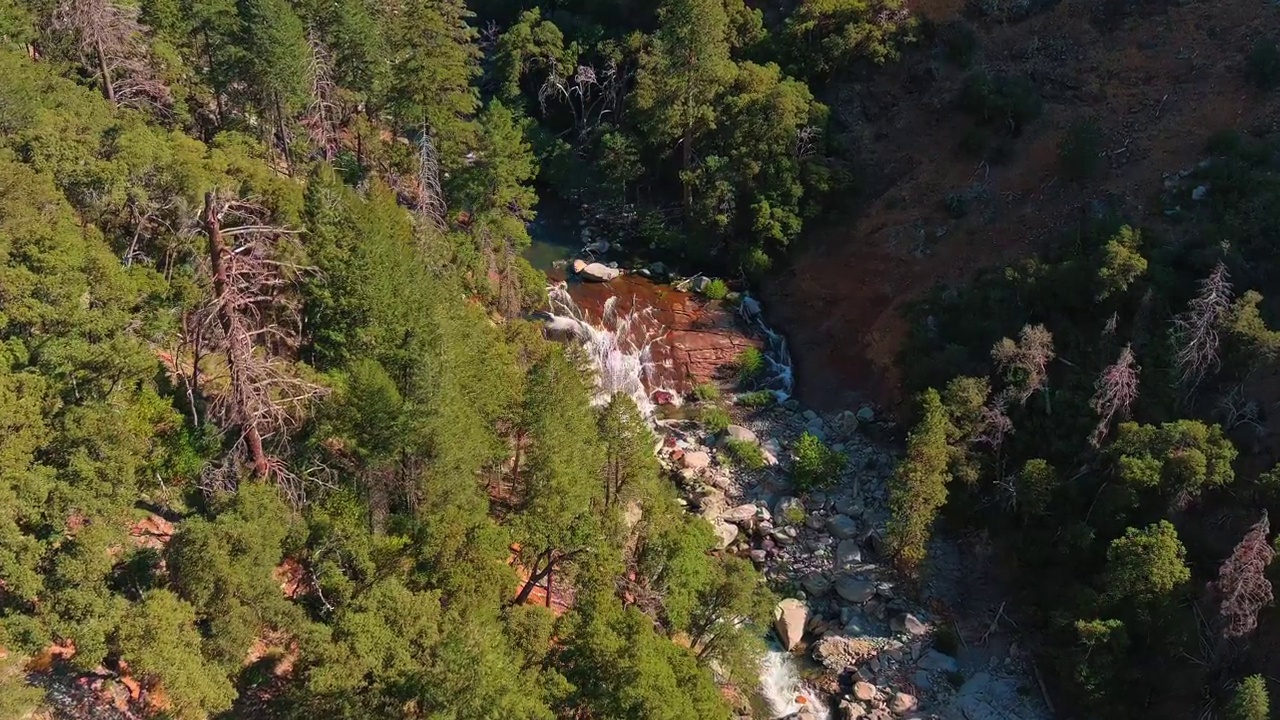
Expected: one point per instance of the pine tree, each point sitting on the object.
(680, 79)
(276, 60)
(918, 488)
(1144, 567)
(1250, 701)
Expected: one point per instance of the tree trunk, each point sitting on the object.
(108, 88)
(686, 162)
(238, 349)
(534, 579)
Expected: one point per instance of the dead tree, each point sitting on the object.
(112, 47)
(590, 95)
(1242, 585)
(429, 203)
(1195, 332)
(251, 318)
(1025, 363)
(1117, 388)
(321, 116)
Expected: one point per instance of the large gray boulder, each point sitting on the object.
(848, 554)
(854, 590)
(842, 527)
(789, 618)
(596, 272)
(737, 432)
(726, 533)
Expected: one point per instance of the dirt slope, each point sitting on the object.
(1159, 82)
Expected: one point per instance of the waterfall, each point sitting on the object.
(784, 691)
(779, 376)
(618, 345)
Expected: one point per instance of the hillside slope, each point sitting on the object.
(1158, 82)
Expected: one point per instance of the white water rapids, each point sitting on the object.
(619, 346)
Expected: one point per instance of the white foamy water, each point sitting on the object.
(619, 346)
(782, 688)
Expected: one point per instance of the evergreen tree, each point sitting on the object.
(681, 77)
(918, 488)
(1145, 566)
(1250, 701)
(275, 60)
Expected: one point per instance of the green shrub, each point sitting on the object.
(707, 391)
(750, 365)
(816, 465)
(1263, 65)
(745, 454)
(715, 419)
(1001, 100)
(1079, 150)
(758, 399)
(1250, 700)
(716, 289)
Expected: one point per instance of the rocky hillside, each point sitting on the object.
(1157, 79)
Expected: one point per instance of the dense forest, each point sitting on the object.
(277, 439)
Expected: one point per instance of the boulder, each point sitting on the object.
(816, 584)
(866, 414)
(842, 527)
(598, 272)
(741, 434)
(864, 691)
(789, 511)
(740, 514)
(938, 662)
(579, 265)
(726, 533)
(850, 710)
(854, 590)
(789, 618)
(699, 283)
(848, 554)
(816, 428)
(909, 624)
(696, 460)
(902, 703)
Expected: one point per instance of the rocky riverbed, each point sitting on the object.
(851, 641)
(878, 654)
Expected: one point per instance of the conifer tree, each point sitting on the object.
(681, 77)
(918, 488)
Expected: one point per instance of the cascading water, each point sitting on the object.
(618, 344)
(620, 347)
(784, 691)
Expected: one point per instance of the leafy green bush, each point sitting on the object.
(745, 454)
(1079, 149)
(758, 399)
(716, 289)
(816, 465)
(750, 364)
(707, 391)
(715, 419)
(1263, 65)
(1001, 100)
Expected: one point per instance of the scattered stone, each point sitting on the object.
(789, 511)
(699, 283)
(938, 662)
(842, 526)
(851, 506)
(1200, 192)
(727, 533)
(854, 590)
(740, 514)
(759, 556)
(922, 680)
(737, 432)
(850, 710)
(791, 405)
(902, 703)
(810, 415)
(597, 272)
(814, 521)
(816, 501)
(864, 691)
(866, 414)
(789, 618)
(816, 584)
(816, 428)
(907, 623)
(697, 460)
(845, 423)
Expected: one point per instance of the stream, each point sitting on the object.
(625, 328)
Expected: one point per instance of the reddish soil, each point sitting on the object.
(1158, 83)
